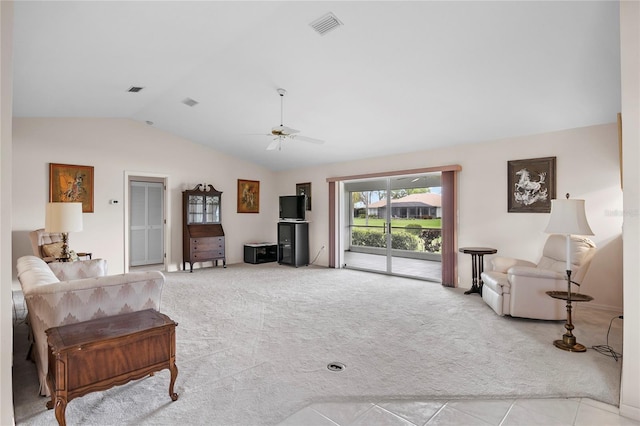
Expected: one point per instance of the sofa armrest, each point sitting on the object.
(68, 271)
(502, 264)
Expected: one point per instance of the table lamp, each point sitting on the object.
(568, 218)
(63, 218)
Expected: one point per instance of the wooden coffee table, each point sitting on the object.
(99, 354)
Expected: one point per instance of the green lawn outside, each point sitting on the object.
(400, 223)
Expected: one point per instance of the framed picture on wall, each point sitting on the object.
(248, 196)
(531, 185)
(71, 184)
(305, 189)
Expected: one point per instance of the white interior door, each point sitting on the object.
(146, 224)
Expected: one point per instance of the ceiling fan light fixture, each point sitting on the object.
(282, 132)
(326, 23)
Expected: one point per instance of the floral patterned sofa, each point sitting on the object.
(65, 293)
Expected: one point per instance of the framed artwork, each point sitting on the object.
(305, 189)
(248, 196)
(71, 184)
(531, 185)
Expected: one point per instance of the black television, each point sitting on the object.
(292, 207)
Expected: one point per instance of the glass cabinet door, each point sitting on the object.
(195, 209)
(212, 209)
(204, 209)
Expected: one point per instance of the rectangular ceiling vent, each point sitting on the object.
(135, 89)
(190, 102)
(326, 23)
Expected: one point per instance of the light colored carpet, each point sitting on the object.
(253, 343)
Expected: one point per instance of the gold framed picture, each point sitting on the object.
(71, 184)
(248, 196)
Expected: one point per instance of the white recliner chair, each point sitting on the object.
(518, 288)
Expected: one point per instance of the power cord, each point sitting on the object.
(606, 349)
(316, 258)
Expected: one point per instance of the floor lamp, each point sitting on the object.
(63, 218)
(568, 218)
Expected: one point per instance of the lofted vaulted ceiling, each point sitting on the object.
(395, 77)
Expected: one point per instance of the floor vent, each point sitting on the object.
(336, 366)
(326, 23)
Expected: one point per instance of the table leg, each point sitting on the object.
(61, 406)
(474, 275)
(480, 271)
(174, 374)
(568, 342)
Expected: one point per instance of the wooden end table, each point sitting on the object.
(98, 354)
(477, 266)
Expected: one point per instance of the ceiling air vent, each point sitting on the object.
(190, 102)
(326, 23)
(135, 89)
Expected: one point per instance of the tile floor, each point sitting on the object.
(503, 412)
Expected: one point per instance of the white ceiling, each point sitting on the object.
(396, 77)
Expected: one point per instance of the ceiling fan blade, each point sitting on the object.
(290, 131)
(274, 144)
(307, 139)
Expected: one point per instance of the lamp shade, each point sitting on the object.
(568, 217)
(63, 217)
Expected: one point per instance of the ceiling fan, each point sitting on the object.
(282, 132)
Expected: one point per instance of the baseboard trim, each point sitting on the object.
(630, 411)
(613, 309)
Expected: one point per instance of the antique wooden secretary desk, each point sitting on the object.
(202, 233)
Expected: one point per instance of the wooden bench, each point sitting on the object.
(98, 354)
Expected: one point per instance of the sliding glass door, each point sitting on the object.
(368, 237)
(394, 225)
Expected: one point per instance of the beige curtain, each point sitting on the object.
(449, 226)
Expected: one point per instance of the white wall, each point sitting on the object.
(6, 324)
(630, 73)
(587, 167)
(116, 146)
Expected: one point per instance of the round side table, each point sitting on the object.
(477, 266)
(568, 342)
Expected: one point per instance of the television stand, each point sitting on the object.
(293, 243)
(260, 252)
